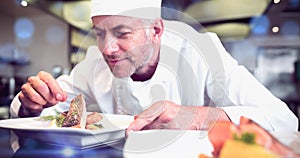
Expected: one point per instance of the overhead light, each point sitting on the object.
(214, 10)
(78, 14)
(24, 3)
(275, 29)
(276, 1)
(229, 31)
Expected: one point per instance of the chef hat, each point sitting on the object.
(146, 9)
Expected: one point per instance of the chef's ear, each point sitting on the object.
(158, 29)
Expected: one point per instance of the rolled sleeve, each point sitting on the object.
(284, 122)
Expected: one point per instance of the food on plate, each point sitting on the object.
(93, 118)
(245, 140)
(55, 120)
(76, 117)
(236, 149)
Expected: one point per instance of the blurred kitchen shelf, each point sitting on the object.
(4, 112)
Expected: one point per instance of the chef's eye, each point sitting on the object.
(122, 34)
(100, 35)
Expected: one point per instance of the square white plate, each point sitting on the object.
(113, 131)
(187, 144)
(167, 143)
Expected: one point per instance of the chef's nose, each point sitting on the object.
(111, 46)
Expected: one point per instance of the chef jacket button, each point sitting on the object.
(120, 111)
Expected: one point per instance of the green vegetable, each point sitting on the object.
(98, 125)
(59, 120)
(248, 138)
(94, 126)
(58, 117)
(47, 118)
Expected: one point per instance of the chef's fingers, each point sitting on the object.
(146, 117)
(140, 123)
(29, 93)
(42, 88)
(28, 107)
(156, 124)
(54, 87)
(167, 120)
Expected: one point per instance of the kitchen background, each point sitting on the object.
(53, 35)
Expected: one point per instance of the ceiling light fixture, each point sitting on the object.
(276, 1)
(275, 29)
(24, 3)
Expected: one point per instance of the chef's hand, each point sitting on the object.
(39, 92)
(168, 115)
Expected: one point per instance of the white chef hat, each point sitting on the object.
(147, 9)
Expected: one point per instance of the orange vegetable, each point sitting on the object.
(223, 132)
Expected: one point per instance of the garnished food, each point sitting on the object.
(55, 120)
(93, 126)
(93, 118)
(237, 149)
(76, 117)
(247, 140)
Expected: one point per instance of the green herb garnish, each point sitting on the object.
(98, 125)
(47, 118)
(58, 117)
(59, 120)
(248, 138)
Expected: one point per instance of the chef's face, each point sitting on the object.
(125, 43)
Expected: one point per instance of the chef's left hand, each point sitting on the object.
(168, 115)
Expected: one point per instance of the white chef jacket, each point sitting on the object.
(194, 69)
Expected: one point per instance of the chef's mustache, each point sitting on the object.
(116, 57)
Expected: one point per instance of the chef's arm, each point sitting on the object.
(169, 115)
(244, 95)
(248, 97)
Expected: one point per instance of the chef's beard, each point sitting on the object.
(125, 69)
(130, 65)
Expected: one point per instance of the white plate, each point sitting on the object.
(187, 144)
(113, 130)
(167, 143)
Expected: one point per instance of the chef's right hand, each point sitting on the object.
(39, 92)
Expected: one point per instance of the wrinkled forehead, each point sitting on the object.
(111, 21)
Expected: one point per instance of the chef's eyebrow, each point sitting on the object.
(120, 27)
(116, 28)
(95, 28)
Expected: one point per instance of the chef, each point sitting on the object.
(163, 72)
